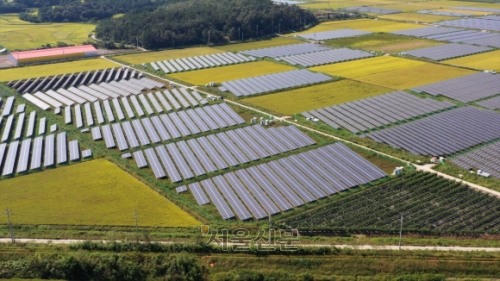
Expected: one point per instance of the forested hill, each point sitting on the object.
(196, 22)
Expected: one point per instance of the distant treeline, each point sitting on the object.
(197, 22)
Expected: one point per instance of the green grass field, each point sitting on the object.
(92, 193)
(304, 99)
(16, 34)
(383, 42)
(53, 69)
(274, 42)
(232, 72)
(167, 55)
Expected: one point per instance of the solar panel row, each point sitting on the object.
(373, 10)
(326, 57)
(287, 50)
(334, 34)
(485, 158)
(447, 51)
(365, 114)
(283, 184)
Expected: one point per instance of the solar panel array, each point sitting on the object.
(444, 133)
(476, 23)
(32, 154)
(439, 13)
(493, 103)
(373, 10)
(466, 88)
(199, 62)
(461, 36)
(284, 184)
(166, 127)
(273, 82)
(426, 31)
(196, 157)
(72, 80)
(334, 34)
(92, 93)
(492, 41)
(374, 112)
(447, 51)
(486, 159)
(288, 50)
(477, 9)
(325, 57)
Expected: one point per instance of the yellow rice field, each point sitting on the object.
(485, 61)
(16, 34)
(274, 42)
(53, 69)
(432, 5)
(232, 72)
(361, 24)
(475, 13)
(92, 193)
(391, 72)
(167, 55)
(416, 17)
(304, 99)
(319, 5)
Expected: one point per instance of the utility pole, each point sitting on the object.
(7, 212)
(136, 227)
(137, 46)
(401, 233)
(208, 38)
(257, 31)
(239, 33)
(270, 231)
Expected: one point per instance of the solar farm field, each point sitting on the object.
(383, 42)
(303, 99)
(361, 24)
(429, 204)
(416, 17)
(92, 193)
(53, 69)
(232, 72)
(485, 61)
(394, 73)
(274, 42)
(21, 35)
(166, 55)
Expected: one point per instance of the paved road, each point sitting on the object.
(353, 247)
(424, 168)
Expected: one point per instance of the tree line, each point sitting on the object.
(200, 22)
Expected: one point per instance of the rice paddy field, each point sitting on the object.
(485, 61)
(232, 72)
(383, 42)
(432, 5)
(392, 72)
(304, 99)
(92, 193)
(54, 69)
(325, 4)
(16, 34)
(361, 24)
(167, 55)
(274, 42)
(416, 17)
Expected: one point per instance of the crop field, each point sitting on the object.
(343, 4)
(92, 193)
(414, 76)
(304, 99)
(383, 42)
(358, 68)
(167, 55)
(362, 24)
(394, 73)
(16, 34)
(416, 17)
(485, 61)
(427, 202)
(53, 69)
(232, 72)
(474, 13)
(433, 5)
(274, 42)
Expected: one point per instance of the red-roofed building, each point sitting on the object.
(53, 54)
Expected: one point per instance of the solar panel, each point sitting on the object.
(179, 161)
(10, 161)
(42, 126)
(36, 156)
(120, 137)
(215, 196)
(22, 161)
(129, 132)
(199, 194)
(140, 160)
(154, 163)
(74, 150)
(169, 166)
(192, 161)
(7, 128)
(88, 114)
(62, 148)
(153, 136)
(137, 106)
(31, 124)
(108, 137)
(19, 126)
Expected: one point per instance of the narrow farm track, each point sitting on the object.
(423, 168)
(340, 246)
